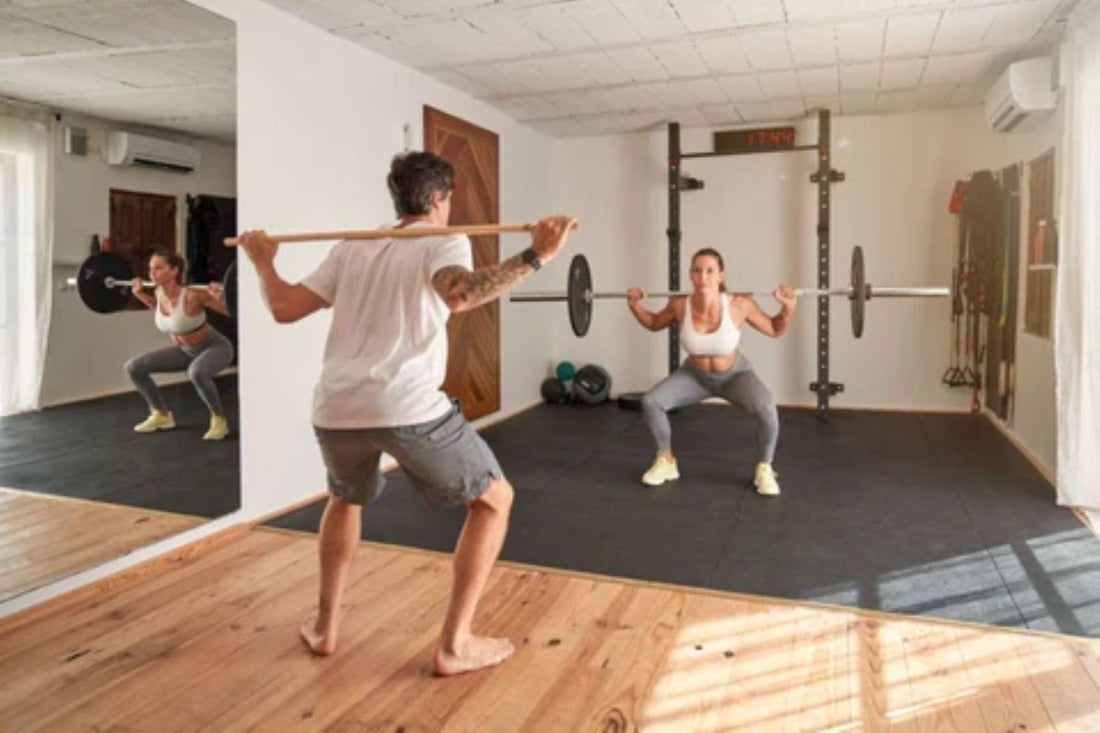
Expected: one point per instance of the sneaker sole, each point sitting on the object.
(764, 492)
(666, 479)
(153, 430)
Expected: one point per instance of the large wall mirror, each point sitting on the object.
(117, 139)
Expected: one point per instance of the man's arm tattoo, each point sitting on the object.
(469, 289)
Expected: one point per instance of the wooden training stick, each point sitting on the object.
(398, 233)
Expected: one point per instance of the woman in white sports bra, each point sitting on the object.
(710, 321)
(200, 349)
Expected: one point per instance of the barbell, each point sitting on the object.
(580, 296)
(103, 283)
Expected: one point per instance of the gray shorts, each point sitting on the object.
(446, 460)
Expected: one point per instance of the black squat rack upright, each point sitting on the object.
(824, 177)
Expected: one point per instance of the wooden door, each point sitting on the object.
(140, 224)
(473, 370)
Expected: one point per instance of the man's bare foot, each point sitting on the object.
(321, 643)
(477, 653)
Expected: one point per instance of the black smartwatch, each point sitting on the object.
(531, 258)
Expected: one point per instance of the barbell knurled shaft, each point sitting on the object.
(537, 297)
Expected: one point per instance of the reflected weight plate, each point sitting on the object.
(229, 285)
(91, 282)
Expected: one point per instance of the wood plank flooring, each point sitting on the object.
(44, 538)
(206, 639)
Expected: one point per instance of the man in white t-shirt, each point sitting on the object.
(384, 362)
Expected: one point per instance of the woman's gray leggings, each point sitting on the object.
(202, 361)
(688, 385)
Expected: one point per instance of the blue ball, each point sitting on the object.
(565, 371)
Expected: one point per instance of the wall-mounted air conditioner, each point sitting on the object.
(1021, 97)
(129, 148)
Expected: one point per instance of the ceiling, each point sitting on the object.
(583, 67)
(567, 67)
(162, 64)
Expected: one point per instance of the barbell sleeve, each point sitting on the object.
(473, 230)
(879, 291)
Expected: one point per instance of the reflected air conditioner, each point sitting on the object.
(129, 148)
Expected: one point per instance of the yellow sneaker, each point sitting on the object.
(157, 420)
(663, 469)
(219, 428)
(765, 482)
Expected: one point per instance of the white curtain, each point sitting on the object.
(1077, 303)
(26, 255)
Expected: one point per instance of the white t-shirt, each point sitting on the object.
(386, 353)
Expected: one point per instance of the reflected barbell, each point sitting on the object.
(103, 283)
(580, 296)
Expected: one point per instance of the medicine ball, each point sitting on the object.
(591, 384)
(553, 391)
(565, 371)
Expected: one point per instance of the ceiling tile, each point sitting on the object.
(757, 12)
(766, 50)
(603, 21)
(686, 93)
(812, 46)
(910, 34)
(1019, 22)
(654, 19)
(722, 55)
(820, 81)
(680, 59)
(723, 114)
(902, 74)
(640, 63)
(959, 68)
(699, 16)
(860, 77)
(779, 84)
(860, 40)
(744, 88)
(556, 27)
(962, 30)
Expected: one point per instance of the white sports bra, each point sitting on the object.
(722, 341)
(178, 321)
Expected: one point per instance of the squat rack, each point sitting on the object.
(824, 177)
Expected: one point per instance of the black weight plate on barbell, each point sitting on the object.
(229, 286)
(91, 282)
(580, 285)
(858, 293)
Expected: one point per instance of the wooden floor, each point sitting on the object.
(206, 639)
(44, 538)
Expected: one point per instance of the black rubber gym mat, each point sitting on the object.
(89, 450)
(929, 514)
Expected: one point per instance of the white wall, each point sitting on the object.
(74, 371)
